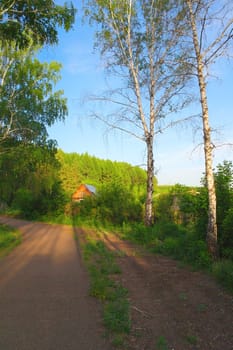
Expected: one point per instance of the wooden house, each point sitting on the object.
(83, 191)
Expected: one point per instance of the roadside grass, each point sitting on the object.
(182, 244)
(103, 270)
(9, 238)
(223, 272)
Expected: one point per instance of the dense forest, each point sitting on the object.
(83, 168)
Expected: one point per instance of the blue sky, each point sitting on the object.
(178, 159)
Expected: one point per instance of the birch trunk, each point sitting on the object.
(149, 217)
(211, 235)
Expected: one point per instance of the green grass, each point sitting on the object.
(223, 272)
(182, 244)
(161, 343)
(9, 238)
(191, 339)
(102, 269)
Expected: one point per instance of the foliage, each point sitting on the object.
(9, 238)
(223, 271)
(161, 343)
(84, 168)
(28, 102)
(173, 240)
(181, 205)
(113, 204)
(38, 20)
(226, 235)
(224, 192)
(29, 180)
(28, 105)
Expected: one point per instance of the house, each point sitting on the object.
(83, 191)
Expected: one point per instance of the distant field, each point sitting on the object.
(163, 188)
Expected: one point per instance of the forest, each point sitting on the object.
(160, 50)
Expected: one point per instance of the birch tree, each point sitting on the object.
(211, 27)
(139, 41)
(39, 19)
(28, 102)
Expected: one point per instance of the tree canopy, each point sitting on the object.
(39, 20)
(28, 103)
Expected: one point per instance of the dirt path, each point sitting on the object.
(44, 299)
(44, 302)
(172, 308)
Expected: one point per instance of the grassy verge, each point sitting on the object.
(103, 271)
(183, 245)
(9, 238)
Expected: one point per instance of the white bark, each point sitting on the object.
(211, 236)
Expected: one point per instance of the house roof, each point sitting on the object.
(91, 188)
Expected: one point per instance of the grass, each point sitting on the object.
(103, 270)
(191, 339)
(9, 238)
(161, 343)
(223, 272)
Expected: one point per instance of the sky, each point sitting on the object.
(178, 152)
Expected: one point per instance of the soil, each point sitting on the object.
(45, 305)
(172, 307)
(44, 299)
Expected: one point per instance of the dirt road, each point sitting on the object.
(172, 308)
(44, 302)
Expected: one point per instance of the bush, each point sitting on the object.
(226, 236)
(223, 272)
(9, 238)
(24, 202)
(172, 240)
(113, 204)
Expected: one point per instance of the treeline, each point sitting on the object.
(30, 185)
(39, 181)
(121, 188)
(82, 168)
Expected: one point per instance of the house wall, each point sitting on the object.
(81, 192)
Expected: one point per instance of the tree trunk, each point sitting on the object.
(211, 235)
(149, 217)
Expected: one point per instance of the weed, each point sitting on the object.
(183, 296)
(9, 238)
(191, 339)
(223, 272)
(161, 343)
(202, 307)
(118, 340)
(116, 316)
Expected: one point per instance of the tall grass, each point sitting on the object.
(9, 238)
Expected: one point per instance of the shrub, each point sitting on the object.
(24, 201)
(9, 238)
(223, 272)
(226, 236)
